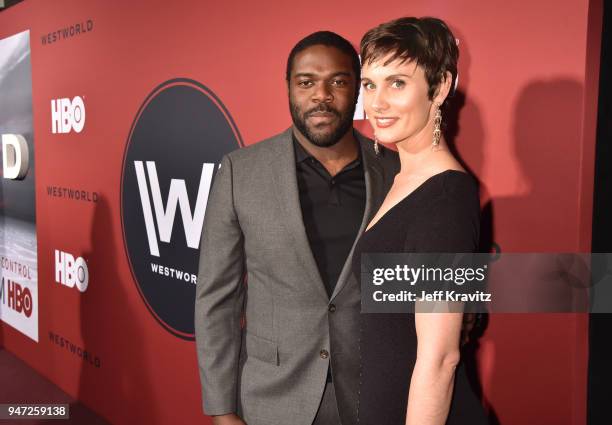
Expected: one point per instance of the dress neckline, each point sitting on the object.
(408, 196)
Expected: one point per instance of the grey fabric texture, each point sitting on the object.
(328, 409)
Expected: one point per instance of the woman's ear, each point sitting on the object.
(443, 88)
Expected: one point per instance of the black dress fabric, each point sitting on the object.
(441, 215)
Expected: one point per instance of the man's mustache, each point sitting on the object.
(322, 108)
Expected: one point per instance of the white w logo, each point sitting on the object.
(176, 195)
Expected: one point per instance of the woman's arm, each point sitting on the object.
(455, 228)
(433, 377)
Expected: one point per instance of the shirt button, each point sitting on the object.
(324, 354)
(332, 308)
(333, 181)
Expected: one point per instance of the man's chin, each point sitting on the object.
(324, 143)
(322, 138)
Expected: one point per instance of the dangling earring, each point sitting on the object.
(376, 147)
(437, 133)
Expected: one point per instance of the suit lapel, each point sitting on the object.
(286, 192)
(375, 191)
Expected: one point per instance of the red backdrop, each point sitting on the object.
(528, 87)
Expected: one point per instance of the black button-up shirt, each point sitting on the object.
(332, 210)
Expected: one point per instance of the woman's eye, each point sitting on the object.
(398, 84)
(368, 85)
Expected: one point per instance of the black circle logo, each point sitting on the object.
(175, 145)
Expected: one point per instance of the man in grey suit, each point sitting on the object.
(277, 308)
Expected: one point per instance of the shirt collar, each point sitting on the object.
(302, 154)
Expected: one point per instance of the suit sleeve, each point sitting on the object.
(220, 292)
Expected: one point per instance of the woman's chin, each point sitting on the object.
(387, 137)
(387, 140)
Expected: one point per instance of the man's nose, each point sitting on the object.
(322, 93)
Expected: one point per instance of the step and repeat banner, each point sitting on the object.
(114, 118)
(19, 282)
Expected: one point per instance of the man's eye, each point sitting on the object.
(339, 83)
(305, 83)
(368, 85)
(398, 84)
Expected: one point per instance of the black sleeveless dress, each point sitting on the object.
(441, 215)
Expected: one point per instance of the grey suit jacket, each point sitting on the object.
(263, 320)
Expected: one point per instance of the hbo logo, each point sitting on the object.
(71, 272)
(19, 298)
(67, 115)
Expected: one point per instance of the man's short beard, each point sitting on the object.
(322, 140)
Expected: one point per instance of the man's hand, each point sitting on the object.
(229, 419)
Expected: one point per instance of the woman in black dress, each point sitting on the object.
(411, 368)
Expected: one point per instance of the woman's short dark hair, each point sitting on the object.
(329, 39)
(428, 41)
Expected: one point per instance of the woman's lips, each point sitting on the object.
(384, 122)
